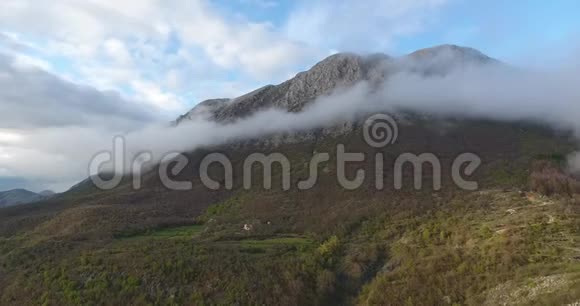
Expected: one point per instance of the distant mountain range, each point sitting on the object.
(22, 196)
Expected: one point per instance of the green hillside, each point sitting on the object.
(516, 240)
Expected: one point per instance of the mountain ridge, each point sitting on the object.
(339, 70)
(22, 196)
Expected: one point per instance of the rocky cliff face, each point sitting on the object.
(337, 71)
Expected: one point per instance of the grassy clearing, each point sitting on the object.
(277, 241)
(296, 242)
(181, 232)
(194, 231)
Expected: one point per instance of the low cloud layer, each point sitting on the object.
(493, 91)
(489, 91)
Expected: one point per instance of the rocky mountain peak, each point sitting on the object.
(204, 110)
(444, 58)
(339, 65)
(336, 71)
(451, 51)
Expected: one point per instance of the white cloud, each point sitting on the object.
(149, 91)
(256, 48)
(25, 62)
(135, 34)
(117, 51)
(9, 137)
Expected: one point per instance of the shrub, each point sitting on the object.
(549, 179)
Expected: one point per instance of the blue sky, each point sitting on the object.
(508, 30)
(154, 59)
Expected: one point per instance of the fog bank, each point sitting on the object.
(498, 92)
